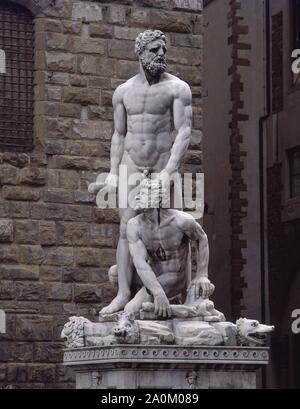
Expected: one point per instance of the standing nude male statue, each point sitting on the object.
(147, 109)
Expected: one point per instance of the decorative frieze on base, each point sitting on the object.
(170, 367)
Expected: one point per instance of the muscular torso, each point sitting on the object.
(149, 135)
(167, 246)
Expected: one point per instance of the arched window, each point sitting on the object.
(16, 77)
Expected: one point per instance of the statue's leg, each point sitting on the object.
(171, 283)
(124, 266)
(135, 305)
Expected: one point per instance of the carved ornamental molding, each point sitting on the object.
(167, 354)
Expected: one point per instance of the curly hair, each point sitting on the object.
(147, 37)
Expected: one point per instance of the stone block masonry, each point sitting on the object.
(238, 186)
(55, 246)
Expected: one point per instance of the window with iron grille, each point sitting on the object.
(296, 24)
(294, 165)
(16, 77)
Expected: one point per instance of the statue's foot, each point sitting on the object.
(117, 304)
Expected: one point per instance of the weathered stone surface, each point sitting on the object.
(58, 196)
(88, 257)
(59, 78)
(68, 179)
(33, 176)
(6, 230)
(87, 64)
(186, 56)
(101, 30)
(41, 373)
(88, 129)
(195, 5)
(47, 352)
(100, 82)
(116, 14)
(87, 12)
(4, 208)
(78, 213)
(81, 96)
(70, 110)
(16, 159)
(87, 293)
(16, 373)
(171, 21)
(19, 272)
(60, 292)
(121, 49)
(30, 254)
(61, 256)
(26, 232)
(139, 17)
(186, 40)
(58, 61)
(32, 327)
(7, 290)
(61, 9)
(47, 233)
(20, 193)
(19, 210)
(191, 75)
(72, 27)
(8, 175)
(89, 46)
(72, 162)
(75, 274)
(106, 67)
(73, 234)
(55, 41)
(79, 80)
(127, 69)
(16, 352)
(8, 254)
(48, 211)
(106, 215)
(126, 33)
(50, 273)
(51, 307)
(54, 147)
(193, 157)
(58, 128)
(103, 236)
(83, 197)
(30, 291)
(47, 24)
(100, 275)
(50, 109)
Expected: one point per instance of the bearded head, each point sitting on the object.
(152, 195)
(150, 47)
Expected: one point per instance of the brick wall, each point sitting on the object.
(56, 247)
(237, 183)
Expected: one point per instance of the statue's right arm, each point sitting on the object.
(139, 256)
(118, 138)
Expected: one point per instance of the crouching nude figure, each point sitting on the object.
(159, 244)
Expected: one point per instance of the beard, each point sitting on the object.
(154, 67)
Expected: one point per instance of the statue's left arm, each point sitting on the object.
(194, 231)
(182, 116)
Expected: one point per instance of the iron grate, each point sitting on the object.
(16, 84)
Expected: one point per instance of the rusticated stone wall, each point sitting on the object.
(55, 246)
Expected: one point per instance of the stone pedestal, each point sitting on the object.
(170, 367)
